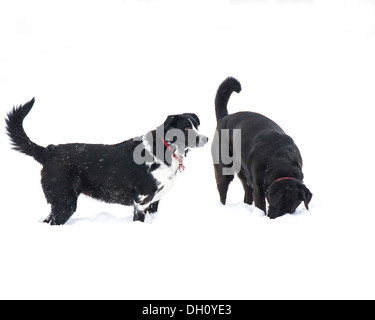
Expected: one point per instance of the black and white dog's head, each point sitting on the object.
(171, 140)
(181, 131)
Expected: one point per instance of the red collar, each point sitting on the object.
(179, 159)
(285, 178)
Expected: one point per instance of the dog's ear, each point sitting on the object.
(194, 118)
(306, 196)
(169, 122)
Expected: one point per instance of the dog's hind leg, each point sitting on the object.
(63, 208)
(247, 188)
(48, 219)
(61, 191)
(222, 182)
(63, 211)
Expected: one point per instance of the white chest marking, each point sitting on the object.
(164, 175)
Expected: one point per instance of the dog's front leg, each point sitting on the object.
(259, 198)
(139, 213)
(152, 208)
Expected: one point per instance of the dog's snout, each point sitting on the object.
(201, 141)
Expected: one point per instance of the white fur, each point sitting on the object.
(164, 175)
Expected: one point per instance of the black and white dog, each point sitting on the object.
(270, 164)
(136, 172)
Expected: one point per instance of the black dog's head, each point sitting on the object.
(285, 196)
(182, 131)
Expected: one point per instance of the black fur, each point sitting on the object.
(104, 172)
(267, 154)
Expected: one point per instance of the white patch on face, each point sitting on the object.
(194, 127)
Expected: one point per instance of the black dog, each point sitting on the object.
(135, 172)
(271, 164)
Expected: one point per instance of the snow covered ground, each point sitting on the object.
(105, 71)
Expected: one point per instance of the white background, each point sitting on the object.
(106, 71)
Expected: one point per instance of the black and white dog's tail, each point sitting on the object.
(223, 94)
(18, 136)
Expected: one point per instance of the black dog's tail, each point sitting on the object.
(17, 134)
(223, 94)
